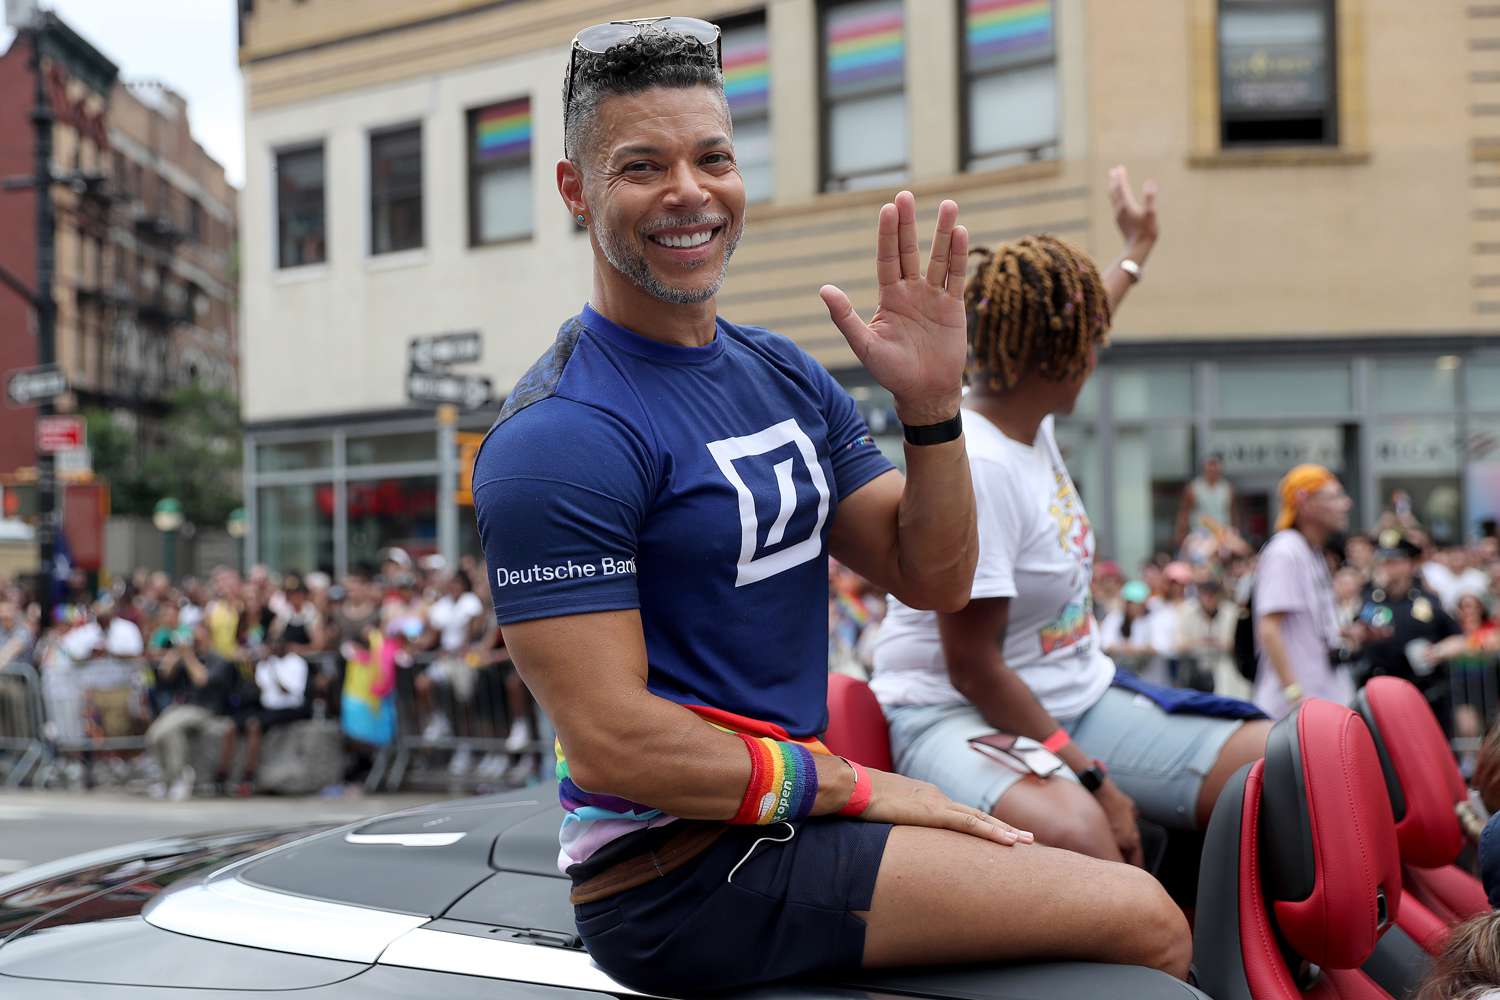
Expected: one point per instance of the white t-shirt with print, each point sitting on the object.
(1037, 548)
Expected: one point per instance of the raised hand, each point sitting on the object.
(1135, 219)
(916, 344)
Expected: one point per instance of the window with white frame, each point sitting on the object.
(747, 86)
(1010, 82)
(500, 172)
(864, 94)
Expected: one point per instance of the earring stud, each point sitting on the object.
(581, 220)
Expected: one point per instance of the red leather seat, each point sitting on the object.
(1300, 866)
(1424, 784)
(856, 725)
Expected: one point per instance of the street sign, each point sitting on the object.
(75, 464)
(469, 392)
(443, 349)
(55, 434)
(36, 385)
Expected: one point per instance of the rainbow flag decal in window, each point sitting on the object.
(747, 71)
(503, 131)
(864, 47)
(1007, 31)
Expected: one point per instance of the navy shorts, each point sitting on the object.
(789, 911)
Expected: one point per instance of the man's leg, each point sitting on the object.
(944, 897)
(168, 738)
(1247, 744)
(1062, 814)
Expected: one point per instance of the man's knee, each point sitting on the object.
(1160, 934)
(1080, 832)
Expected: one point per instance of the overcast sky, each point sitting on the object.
(188, 45)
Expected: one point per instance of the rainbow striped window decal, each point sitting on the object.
(1010, 82)
(864, 103)
(500, 172)
(864, 48)
(747, 85)
(502, 131)
(1006, 32)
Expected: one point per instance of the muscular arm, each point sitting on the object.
(588, 672)
(915, 537)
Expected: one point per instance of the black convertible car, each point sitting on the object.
(459, 900)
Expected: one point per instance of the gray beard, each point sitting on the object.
(632, 264)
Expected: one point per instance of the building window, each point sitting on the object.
(1276, 73)
(1010, 82)
(396, 190)
(500, 172)
(301, 225)
(195, 220)
(864, 100)
(747, 85)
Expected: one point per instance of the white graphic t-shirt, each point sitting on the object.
(1037, 548)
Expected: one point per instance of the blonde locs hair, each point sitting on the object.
(1035, 305)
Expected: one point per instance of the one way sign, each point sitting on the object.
(28, 386)
(469, 392)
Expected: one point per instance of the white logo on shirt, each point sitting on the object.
(753, 568)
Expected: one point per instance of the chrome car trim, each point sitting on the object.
(405, 839)
(234, 912)
(441, 951)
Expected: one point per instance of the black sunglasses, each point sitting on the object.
(600, 38)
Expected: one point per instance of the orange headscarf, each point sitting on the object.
(1298, 485)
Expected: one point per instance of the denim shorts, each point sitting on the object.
(1159, 760)
(753, 908)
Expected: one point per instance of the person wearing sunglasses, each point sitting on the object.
(657, 502)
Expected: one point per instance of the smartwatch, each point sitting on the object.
(1092, 777)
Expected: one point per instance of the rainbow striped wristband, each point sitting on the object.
(783, 782)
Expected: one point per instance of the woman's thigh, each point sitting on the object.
(943, 897)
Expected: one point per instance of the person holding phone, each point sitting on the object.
(1024, 657)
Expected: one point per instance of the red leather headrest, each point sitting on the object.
(1330, 863)
(856, 725)
(1421, 776)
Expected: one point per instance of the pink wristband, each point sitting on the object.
(1057, 740)
(859, 801)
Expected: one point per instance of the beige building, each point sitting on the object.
(1327, 287)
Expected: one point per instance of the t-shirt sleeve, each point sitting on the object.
(1277, 587)
(560, 492)
(852, 451)
(1001, 528)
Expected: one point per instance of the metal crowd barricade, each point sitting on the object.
(22, 746)
(448, 712)
(1473, 685)
(94, 706)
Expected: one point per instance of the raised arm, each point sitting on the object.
(1137, 223)
(914, 537)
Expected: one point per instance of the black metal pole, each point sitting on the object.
(46, 317)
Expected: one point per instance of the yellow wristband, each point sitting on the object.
(1292, 692)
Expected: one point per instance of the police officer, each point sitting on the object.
(1405, 622)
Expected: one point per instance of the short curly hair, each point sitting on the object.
(650, 58)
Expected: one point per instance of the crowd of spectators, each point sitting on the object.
(408, 647)
(1183, 616)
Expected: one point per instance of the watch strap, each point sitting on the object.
(939, 433)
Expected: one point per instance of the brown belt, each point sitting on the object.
(671, 854)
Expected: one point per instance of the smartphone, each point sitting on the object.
(1020, 753)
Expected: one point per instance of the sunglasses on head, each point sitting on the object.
(600, 38)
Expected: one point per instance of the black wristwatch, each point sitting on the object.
(1092, 777)
(940, 433)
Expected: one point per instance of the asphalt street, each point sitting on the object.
(43, 826)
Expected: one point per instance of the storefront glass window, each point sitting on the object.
(1282, 390)
(1417, 463)
(1483, 383)
(1151, 466)
(291, 456)
(1255, 459)
(1416, 385)
(387, 512)
(416, 446)
(294, 527)
(1482, 472)
(1080, 450)
(1140, 392)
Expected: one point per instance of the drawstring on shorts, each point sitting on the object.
(791, 831)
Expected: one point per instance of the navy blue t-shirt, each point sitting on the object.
(697, 484)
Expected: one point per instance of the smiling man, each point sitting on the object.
(657, 502)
